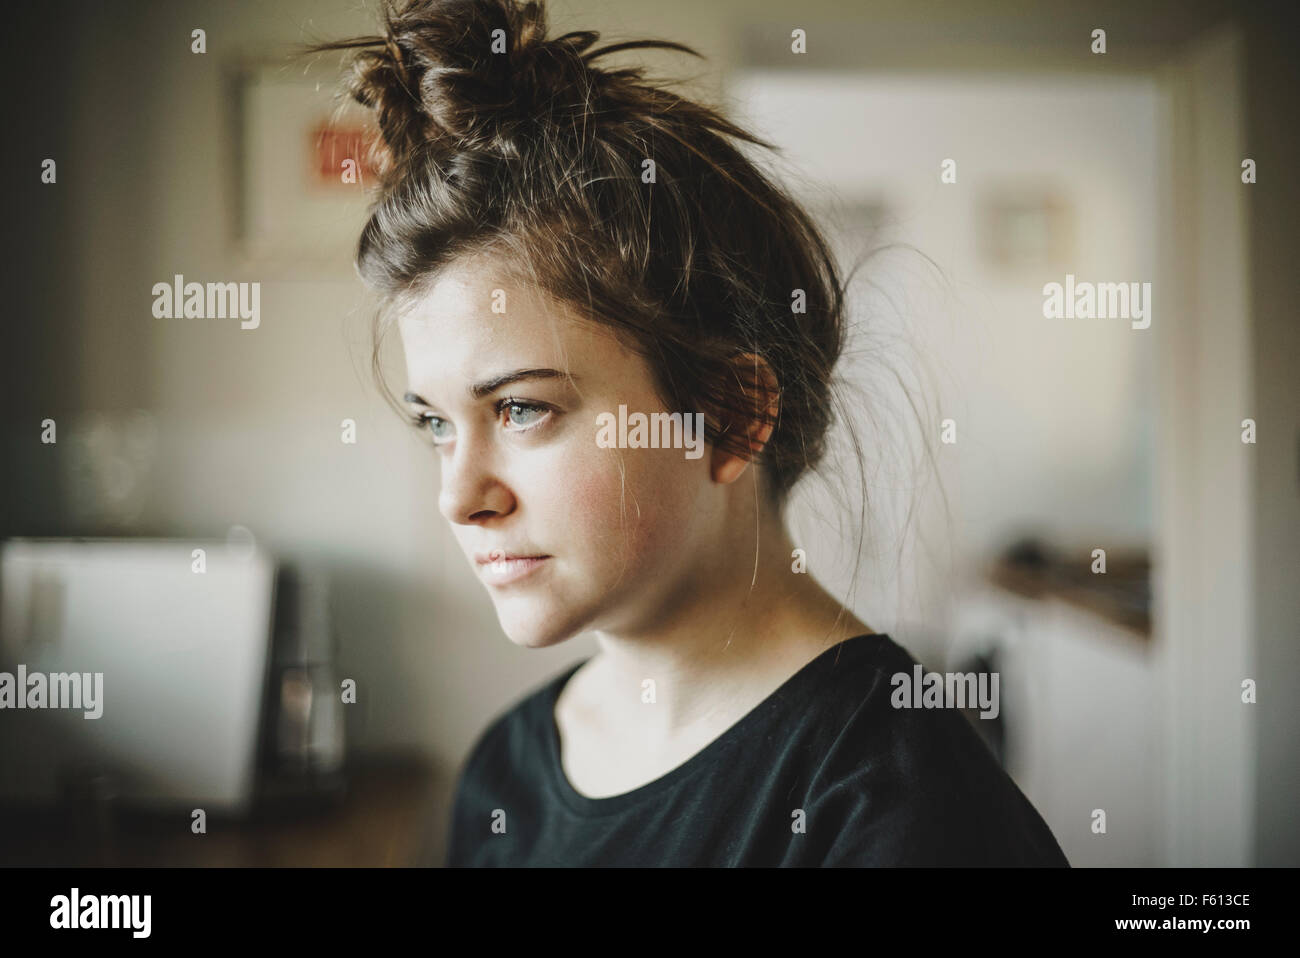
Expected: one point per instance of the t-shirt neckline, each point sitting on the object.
(587, 806)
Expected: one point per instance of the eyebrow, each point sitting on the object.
(489, 386)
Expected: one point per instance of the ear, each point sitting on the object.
(756, 381)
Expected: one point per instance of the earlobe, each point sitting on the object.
(726, 467)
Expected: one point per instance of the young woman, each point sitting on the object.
(587, 273)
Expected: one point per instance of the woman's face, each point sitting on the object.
(566, 534)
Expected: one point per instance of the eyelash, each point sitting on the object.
(421, 420)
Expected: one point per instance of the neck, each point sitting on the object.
(739, 624)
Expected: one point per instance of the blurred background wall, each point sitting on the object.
(1080, 434)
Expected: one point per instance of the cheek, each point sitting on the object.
(640, 513)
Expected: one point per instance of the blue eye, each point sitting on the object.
(521, 414)
(440, 429)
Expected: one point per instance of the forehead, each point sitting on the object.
(475, 320)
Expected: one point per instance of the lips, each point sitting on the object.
(501, 555)
(499, 567)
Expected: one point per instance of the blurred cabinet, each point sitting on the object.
(1083, 707)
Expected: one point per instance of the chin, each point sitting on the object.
(533, 625)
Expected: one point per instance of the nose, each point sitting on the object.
(472, 490)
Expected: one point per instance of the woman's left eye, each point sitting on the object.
(522, 415)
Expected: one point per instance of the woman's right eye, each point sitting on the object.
(440, 429)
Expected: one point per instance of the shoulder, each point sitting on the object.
(902, 785)
(515, 731)
(505, 758)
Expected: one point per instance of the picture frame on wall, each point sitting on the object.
(302, 175)
(1023, 228)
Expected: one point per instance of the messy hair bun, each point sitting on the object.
(473, 75)
(497, 138)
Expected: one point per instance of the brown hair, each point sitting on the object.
(495, 137)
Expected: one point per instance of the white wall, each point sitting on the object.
(1053, 416)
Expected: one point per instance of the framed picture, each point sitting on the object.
(1025, 228)
(302, 172)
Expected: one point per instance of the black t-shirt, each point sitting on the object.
(823, 772)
